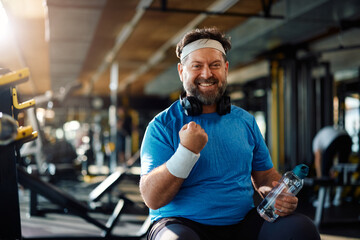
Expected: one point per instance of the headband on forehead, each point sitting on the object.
(201, 43)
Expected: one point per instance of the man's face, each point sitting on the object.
(204, 73)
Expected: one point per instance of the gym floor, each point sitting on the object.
(339, 222)
(59, 225)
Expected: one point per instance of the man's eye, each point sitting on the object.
(215, 65)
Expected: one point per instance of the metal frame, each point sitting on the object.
(266, 9)
(9, 200)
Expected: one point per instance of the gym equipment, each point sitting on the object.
(345, 170)
(25, 134)
(11, 175)
(11, 78)
(57, 156)
(105, 187)
(9, 201)
(8, 129)
(112, 180)
(69, 203)
(23, 105)
(73, 206)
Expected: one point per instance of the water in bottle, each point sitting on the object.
(290, 183)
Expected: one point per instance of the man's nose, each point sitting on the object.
(206, 72)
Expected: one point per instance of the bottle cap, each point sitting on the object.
(301, 171)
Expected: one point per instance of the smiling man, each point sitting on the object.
(202, 157)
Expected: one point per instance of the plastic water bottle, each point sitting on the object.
(290, 183)
(8, 129)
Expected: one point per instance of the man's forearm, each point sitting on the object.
(159, 187)
(262, 180)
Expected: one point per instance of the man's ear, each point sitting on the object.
(227, 68)
(180, 70)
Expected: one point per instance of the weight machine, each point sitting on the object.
(345, 172)
(11, 174)
(9, 201)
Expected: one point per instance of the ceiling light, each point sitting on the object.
(4, 24)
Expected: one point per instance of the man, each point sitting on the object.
(329, 143)
(202, 155)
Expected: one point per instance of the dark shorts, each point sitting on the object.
(341, 146)
(294, 227)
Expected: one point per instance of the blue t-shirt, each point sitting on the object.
(218, 190)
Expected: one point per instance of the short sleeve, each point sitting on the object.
(156, 147)
(261, 156)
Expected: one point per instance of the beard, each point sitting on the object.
(209, 97)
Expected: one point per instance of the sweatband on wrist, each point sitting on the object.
(181, 163)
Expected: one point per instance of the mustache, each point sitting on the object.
(208, 80)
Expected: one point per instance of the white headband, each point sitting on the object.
(201, 43)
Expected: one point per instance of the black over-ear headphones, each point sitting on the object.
(193, 107)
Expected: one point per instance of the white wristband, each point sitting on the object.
(181, 163)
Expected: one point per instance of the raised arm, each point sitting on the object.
(161, 185)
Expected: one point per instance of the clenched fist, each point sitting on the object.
(193, 137)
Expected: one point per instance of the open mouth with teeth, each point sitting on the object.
(206, 84)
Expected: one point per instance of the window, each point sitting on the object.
(352, 119)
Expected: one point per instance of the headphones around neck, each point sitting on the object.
(193, 107)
